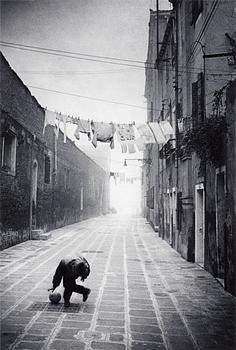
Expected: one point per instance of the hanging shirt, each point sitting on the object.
(131, 147)
(166, 128)
(103, 132)
(146, 133)
(125, 134)
(83, 126)
(140, 144)
(63, 118)
(124, 147)
(158, 132)
(50, 119)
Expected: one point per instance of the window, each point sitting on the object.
(47, 170)
(150, 198)
(198, 107)
(9, 152)
(197, 6)
(179, 211)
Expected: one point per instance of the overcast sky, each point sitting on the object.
(114, 28)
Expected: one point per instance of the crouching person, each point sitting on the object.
(70, 270)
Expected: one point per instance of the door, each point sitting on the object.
(220, 220)
(199, 224)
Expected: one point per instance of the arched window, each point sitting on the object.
(9, 152)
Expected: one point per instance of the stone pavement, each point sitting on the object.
(144, 295)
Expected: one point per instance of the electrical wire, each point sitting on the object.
(74, 57)
(61, 73)
(71, 52)
(89, 98)
(182, 69)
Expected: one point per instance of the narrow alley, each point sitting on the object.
(144, 294)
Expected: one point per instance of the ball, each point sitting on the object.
(54, 298)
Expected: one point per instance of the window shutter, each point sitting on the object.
(47, 170)
(200, 113)
(179, 211)
(198, 105)
(150, 198)
(194, 103)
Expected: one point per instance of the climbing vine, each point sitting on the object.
(209, 137)
(207, 140)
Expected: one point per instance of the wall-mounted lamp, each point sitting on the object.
(144, 160)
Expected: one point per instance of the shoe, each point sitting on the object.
(66, 304)
(86, 294)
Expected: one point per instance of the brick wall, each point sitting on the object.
(59, 199)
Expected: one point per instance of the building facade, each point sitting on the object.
(192, 86)
(45, 183)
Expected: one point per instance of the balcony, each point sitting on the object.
(167, 149)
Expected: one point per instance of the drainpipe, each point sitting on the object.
(157, 11)
(54, 172)
(160, 210)
(177, 103)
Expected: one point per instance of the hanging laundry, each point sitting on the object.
(166, 127)
(57, 127)
(146, 133)
(140, 144)
(103, 132)
(71, 119)
(131, 147)
(124, 147)
(50, 119)
(63, 118)
(158, 133)
(83, 126)
(125, 133)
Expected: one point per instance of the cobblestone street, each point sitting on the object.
(144, 295)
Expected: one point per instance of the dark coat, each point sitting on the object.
(66, 270)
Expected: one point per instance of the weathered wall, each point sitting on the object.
(15, 190)
(59, 201)
(230, 220)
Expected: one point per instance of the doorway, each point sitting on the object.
(220, 220)
(199, 224)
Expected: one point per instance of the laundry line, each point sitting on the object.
(131, 136)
